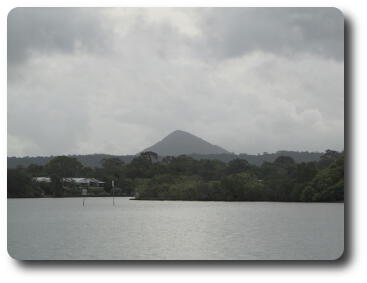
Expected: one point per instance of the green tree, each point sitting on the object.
(150, 156)
(36, 170)
(61, 167)
(139, 167)
(20, 184)
(284, 161)
(306, 172)
(328, 158)
(210, 169)
(113, 171)
(112, 165)
(64, 166)
(328, 184)
(237, 166)
(242, 186)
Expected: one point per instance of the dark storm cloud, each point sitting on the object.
(232, 32)
(47, 30)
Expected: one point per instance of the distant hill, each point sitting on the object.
(177, 143)
(94, 160)
(180, 142)
(298, 156)
(90, 160)
(259, 159)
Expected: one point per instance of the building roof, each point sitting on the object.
(83, 180)
(75, 180)
(42, 179)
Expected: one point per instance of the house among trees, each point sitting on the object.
(85, 182)
(77, 186)
(42, 179)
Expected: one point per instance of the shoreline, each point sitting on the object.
(132, 198)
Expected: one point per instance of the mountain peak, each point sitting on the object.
(180, 142)
(180, 133)
(177, 132)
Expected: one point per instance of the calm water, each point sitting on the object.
(64, 229)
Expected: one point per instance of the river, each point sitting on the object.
(62, 228)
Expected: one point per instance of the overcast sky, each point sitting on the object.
(116, 81)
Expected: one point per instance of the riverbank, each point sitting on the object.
(157, 200)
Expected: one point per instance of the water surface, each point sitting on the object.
(41, 229)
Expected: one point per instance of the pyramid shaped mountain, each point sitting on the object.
(180, 142)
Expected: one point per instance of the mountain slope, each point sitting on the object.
(180, 142)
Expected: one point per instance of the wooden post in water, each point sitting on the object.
(113, 192)
(84, 193)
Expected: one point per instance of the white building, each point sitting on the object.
(42, 179)
(84, 182)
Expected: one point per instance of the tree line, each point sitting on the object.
(95, 160)
(186, 178)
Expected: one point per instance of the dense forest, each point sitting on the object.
(186, 178)
(96, 160)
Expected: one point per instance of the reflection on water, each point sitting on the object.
(64, 229)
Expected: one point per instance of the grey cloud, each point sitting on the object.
(231, 32)
(118, 80)
(47, 30)
(47, 113)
